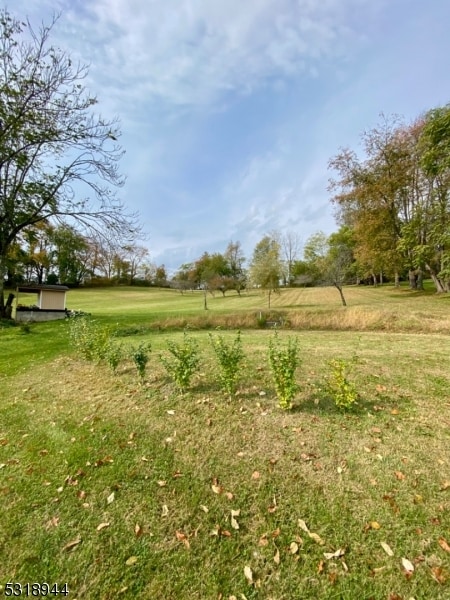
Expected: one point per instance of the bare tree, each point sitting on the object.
(53, 147)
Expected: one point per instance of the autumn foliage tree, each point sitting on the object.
(397, 198)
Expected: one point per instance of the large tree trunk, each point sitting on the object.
(3, 271)
(412, 279)
(420, 279)
(8, 306)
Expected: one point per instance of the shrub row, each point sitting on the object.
(94, 342)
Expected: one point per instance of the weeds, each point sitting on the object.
(283, 363)
(229, 357)
(184, 361)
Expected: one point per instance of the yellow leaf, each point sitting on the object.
(316, 538)
(102, 526)
(293, 548)
(138, 530)
(301, 523)
(204, 508)
(165, 510)
(387, 548)
(375, 525)
(276, 558)
(131, 561)
(443, 544)
(217, 489)
(110, 498)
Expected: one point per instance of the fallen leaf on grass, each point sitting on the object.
(216, 487)
(399, 475)
(182, 537)
(293, 548)
(131, 561)
(276, 558)
(316, 538)
(71, 545)
(234, 523)
(387, 548)
(408, 566)
(204, 508)
(438, 574)
(53, 522)
(161, 483)
(263, 541)
(138, 530)
(165, 510)
(337, 554)
(301, 523)
(256, 475)
(445, 485)
(110, 498)
(443, 544)
(248, 575)
(102, 526)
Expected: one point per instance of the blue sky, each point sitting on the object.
(231, 109)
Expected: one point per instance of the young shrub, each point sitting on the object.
(140, 356)
(114, 355)
(229, 356)
(339, 387)
(88, 338)
(183, 363)
(283, 364)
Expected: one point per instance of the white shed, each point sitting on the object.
(50, 305)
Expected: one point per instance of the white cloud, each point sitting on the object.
(190, 53)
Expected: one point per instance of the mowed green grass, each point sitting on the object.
(125, 490)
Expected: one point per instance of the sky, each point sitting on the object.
(231, 109)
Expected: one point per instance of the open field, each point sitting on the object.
(125, 489)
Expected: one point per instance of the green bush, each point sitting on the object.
(283, 364)
(339, 387)
(114, 354)
(90, 340)
(229, 356)
(183, 362)
(140, 356)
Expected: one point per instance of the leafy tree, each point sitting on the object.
(72, 254)
(52, 145)
(330, 259)
(266, 267)
(235, 260)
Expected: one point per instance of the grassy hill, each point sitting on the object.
(125, 488)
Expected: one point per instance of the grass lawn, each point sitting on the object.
(127, 489)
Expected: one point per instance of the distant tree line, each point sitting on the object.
(61, 222)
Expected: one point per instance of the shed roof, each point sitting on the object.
(35, 288)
